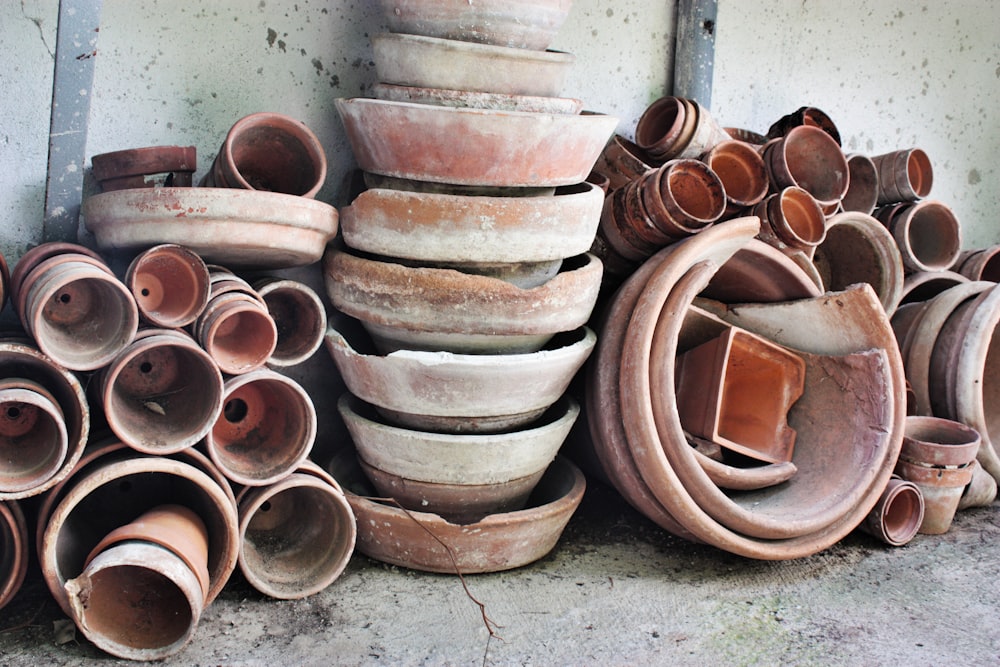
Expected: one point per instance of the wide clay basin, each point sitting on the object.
(473, 146)
(452, 393)
(455, 228)
(238, 228)
(430, 62)
(442, 309)
(476, 99)
(525, 24)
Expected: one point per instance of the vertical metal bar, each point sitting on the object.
(694, 50)
(76, 51)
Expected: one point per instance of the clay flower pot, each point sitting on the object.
(106, 598)
(239, 228)
(430, 62)
(140, 167)
(927, 233)
(461, 393)
(443, 309)
(760, 273)
(897, 515)
(981, 264)
(862, 187)
(811, 159)
(296, 535)
(791, 220)
(299, 317)
(479, 147)
(237, 332)
(35, 256)
(934, 442)
(162, 393)
(272, 152)
(413, 539)
(942, 491)
(34, 441)
(519, 24)
(622, 161)
(13, 550)
(903, 175)
(476, 99)
(674, 127)
(804, 116)
(266, 429)
(742, 172)
(682, 197)
(170, 285)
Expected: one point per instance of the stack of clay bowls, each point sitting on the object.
(465, 261)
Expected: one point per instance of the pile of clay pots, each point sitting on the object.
(465, 262)
(747, 275)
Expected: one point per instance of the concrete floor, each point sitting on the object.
(616, 590)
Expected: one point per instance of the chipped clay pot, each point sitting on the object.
(430, 62)
(443, 309)
(238, 228)
(271, 152)
(13, 550)
(981, 491)
(461, 393)
(34, 441)
(897, 515)
(170, 285)
(904, 175)
(299, 317)
(809, 158)
(476, 99)
(927, 232)
(518, 24)
(141, 167)
(296, 535)
(473, 146)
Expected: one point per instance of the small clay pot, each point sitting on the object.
(933, 441)
(903, 175)
(927, 232)
(742, 172)
(809, 158)
(942, 490)
(622, 161)
(13, 550)
(804, 116)
(170, 285)
(34, 441)
(237, 331)
(897, 515)
(791, 220)
(981, 264)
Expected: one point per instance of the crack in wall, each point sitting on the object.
(41, 32)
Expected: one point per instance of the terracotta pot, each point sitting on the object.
(417, 540)
(443, 309)
(79, 315)
(809, 158)
(117, 487)
(476, 99)
(170, 285)
(810, 116)
(755, 139)
(110, 601)
(238, 333)
(791, 220)
(981, 491)
(481, 147)
(682, 197)
(942, 490)
(858, 249)
(43, 268)
(674, 127)
(296, 535)
(934, 442)
(13, 550)
(266, 429)
(622, 162)
(63, 391)
(519, 24)
(32, 258)
(34, 442)
(897, 515)
(138, 167)
(162, 393)
(174, 527)
(272, 152)
(981, 264)
(742, 172)
(862, 185)
(299, 317)
(904, 175)
(760, 273)
(927, 233)
(430, 62)
(460, 393)
(626, 229)
(921, 286)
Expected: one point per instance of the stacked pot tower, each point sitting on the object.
(465, 261)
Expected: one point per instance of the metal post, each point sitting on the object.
(76, 51)
(694, 50)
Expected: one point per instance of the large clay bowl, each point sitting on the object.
(473, 146)
(445, 458)
(425, 541)
(525, 24)
(760, 273)
(455, 228)
(476, 99)
(430, 62)
(232, 227)
(451, 393)
(443, 309)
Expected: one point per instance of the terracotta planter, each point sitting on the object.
(897, 515)
(272, 152)
(518, 24)
(937, 442)
(170, 285)
(477, 147)
(35, 256)
(266, 429)
(299, 317)
(760, 273)
(858, 249)
(34, 441)
(904, 175)
(674, 127)
(237, 332)
(622, 161)
(742, 172)
(444, 309)
(810, 116)
(413, 539)
(162, 393)
(791, 220)
(13, 550)
(862, 186)
(296, 535)
(449, 64)
(461, 393)
(927, 233)
(140, 167)
(981, 264)
(942, 491)
(809, 158)
(110, 601)
(64, 391)
(682, 197)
